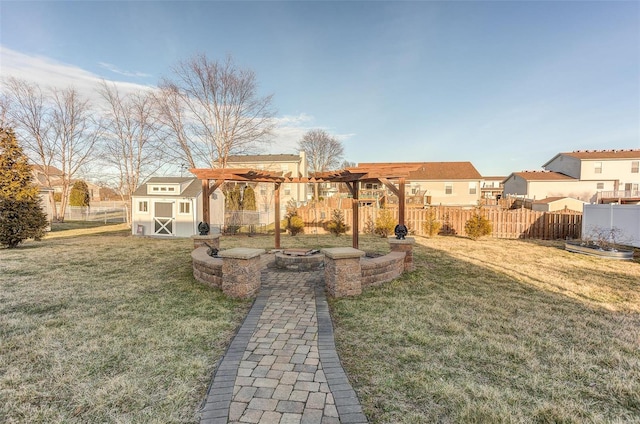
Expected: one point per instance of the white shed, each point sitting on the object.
(172, 207)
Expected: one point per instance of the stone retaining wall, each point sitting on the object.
(206, 269)
(382, 269)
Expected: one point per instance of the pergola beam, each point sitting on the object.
(350, 176)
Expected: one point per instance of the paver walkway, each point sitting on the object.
(282, 366)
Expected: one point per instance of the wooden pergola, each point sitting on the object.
(386, 174)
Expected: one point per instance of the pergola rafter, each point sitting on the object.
(351, 177)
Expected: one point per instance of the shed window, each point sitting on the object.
(143, 206)
(185, 207)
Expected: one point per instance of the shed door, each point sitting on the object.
(163, 218)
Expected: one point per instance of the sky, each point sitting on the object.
(505, 85)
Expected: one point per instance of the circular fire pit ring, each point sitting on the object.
(299, 260)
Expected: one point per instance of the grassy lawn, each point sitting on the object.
(107, 327)
(497, 331)
(99, 326)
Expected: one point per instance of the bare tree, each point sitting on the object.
(324, 152)
(57, 129)
(132, 139)
(213, 110)
(26, 106)
(76, 135)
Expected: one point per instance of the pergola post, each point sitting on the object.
(401, 201)
(276, 194)
(356, 217)
(206, 215)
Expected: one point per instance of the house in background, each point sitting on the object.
(614, 174)
(55, 174)
(492, 187)
(172, 207)
(296, 165)
(588, 175)
(436, 183)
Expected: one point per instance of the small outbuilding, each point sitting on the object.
(556, 204)
(171, 207)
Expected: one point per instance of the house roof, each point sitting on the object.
(494, 178)
(190, 190)
(52, 170)
(542, 176)
(437, 170)
(555, 199)
(263, 158)
(599, 155)
(605, 154)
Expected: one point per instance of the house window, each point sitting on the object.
(600, 186)
(448, 188)
(415, 190)
(323, 215)
(597, 167)
(263, 192)
(287, 192)
(472, 188)
(143, 206)
(635, 165)
(185, 207)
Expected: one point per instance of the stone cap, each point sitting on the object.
(342, 252)
(407, 240)
(240, 253)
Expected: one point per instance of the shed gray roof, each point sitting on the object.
(191, 189)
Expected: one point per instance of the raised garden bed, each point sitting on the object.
(595, 250)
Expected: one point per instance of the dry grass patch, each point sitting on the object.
(107, 328)
(497, 331)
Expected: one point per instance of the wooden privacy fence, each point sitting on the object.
(506, 223)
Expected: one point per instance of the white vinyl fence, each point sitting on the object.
(624, 219)
(96, 213)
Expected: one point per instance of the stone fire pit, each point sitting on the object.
(299, 259)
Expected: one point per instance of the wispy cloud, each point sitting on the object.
(113, 68)
(49, 73)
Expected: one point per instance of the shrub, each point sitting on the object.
(369, 226)
(294, 225)
(478, 226)
(292, 222)
(336, 225)
(432, 225)
(79, 194)
(385, 223)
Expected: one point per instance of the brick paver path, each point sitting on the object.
(282, 366)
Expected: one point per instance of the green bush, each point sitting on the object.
(385, 223)
(293, 224)
(478, 226)
(79, 194)
(432, 225)
(336, 225)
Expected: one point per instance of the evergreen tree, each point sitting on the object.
(79, 194)
(249, 199)
(21, 216)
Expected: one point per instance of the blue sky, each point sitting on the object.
(503, 84)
